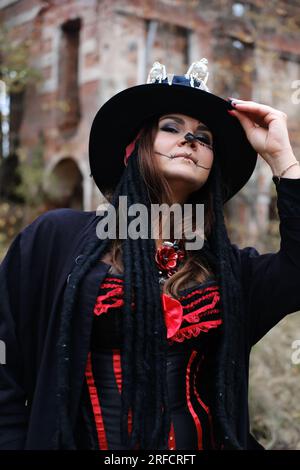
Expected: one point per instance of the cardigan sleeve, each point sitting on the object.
(32, 278)
(13, 410)
(271, 281)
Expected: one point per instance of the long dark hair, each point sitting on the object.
(144, 347)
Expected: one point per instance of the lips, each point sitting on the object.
(186, 155)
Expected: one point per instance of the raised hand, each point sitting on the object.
(266, 130)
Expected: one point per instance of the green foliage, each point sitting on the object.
(11, 217)
(15, 70)
(31, 171)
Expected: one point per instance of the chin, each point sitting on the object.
(181, 173)
(186, 180)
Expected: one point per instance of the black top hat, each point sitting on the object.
(119, 120)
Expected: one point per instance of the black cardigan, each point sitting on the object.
(32, 280)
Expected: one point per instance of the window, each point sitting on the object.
(68, 92)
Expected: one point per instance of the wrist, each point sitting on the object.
(291, 170)
(282, 162)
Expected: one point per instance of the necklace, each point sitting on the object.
(169, 257)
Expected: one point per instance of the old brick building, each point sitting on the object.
(87, 50)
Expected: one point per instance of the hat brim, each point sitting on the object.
(119, 120)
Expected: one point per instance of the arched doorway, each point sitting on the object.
(64, 186)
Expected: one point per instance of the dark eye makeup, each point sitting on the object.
(201, 137)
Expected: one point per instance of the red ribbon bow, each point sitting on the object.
(173, 312)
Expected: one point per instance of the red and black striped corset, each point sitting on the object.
(192, 321)
(196, 311)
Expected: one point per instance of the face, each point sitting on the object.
(190, 166)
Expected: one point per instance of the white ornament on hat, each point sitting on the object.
(198, 71)
(157, 72)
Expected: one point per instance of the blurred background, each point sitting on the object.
(60, 60)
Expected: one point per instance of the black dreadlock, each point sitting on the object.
(144, 333)
(228, 357)
(144, 346)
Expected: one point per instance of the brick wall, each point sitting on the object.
(251, 56)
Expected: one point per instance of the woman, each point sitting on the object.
(140, 343)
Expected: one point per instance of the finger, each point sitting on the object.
(254, 103)
(267, 113)
(257, 121)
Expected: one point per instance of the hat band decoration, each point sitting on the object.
(197, 75)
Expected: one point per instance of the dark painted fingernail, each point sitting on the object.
(231, 102)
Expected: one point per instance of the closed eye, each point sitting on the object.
(204, 138)
(168, 129)
(201, 137)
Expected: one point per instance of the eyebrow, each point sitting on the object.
(181, 121)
